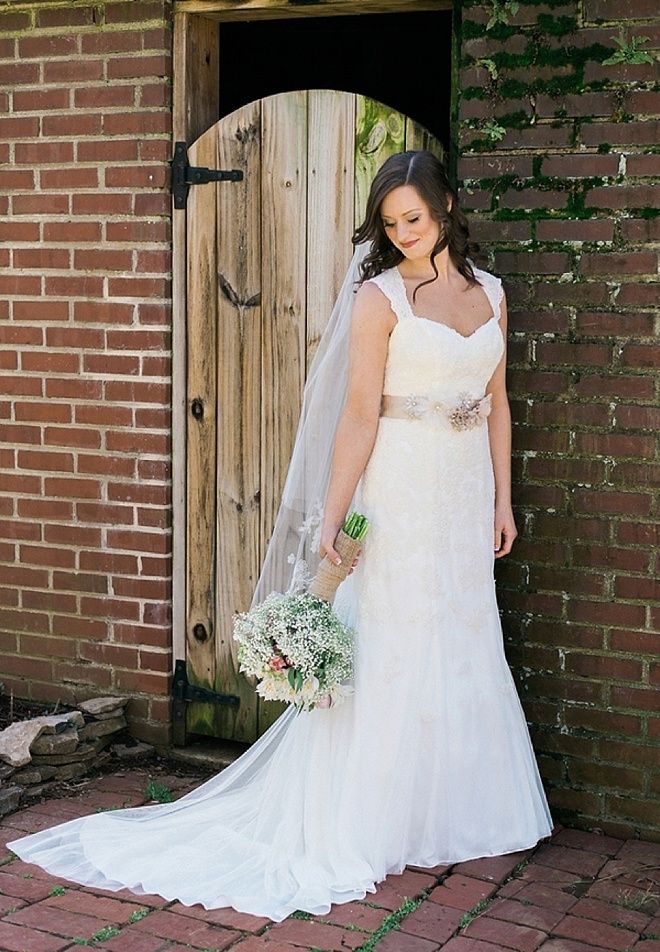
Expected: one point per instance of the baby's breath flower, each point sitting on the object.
(297, 648)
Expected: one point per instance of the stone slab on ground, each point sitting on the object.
(100, 728)
(27, 775)
(16, 740)
(135, 753)
(9, 799)
(64, 743)
(103, 706)
(82, 754)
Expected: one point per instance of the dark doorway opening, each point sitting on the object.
(401, 59)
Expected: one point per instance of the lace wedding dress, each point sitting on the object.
(430, 760)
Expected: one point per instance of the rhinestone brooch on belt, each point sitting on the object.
(464, 415)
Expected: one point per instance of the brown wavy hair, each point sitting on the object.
(426, 173)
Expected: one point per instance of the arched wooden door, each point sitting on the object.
(266, 257)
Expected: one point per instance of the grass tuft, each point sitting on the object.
(158, 792)
(391, 922)
(137, 915)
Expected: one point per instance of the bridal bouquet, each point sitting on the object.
(295, 644)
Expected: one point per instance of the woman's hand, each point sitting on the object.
(327, 546)
(505, 531)
(328, 536)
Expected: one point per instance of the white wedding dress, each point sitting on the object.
(430, 760)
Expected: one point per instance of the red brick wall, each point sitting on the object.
(85, 546)
(564, 200)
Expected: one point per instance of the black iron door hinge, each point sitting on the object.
(184, 693)
(185, 175)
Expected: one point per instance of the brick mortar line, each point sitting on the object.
(74, 272)
(102, 28)
(96, 56)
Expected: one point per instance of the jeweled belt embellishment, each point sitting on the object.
(464, 415)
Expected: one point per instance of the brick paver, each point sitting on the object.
(571, 945)
(132, 941)
(396, 889)
(198, 934)
(580, 862)
(611, 913)
(461, 892)
(595, 933)
(19, 939)
(432, 921)
(538, 895)
(400, 942)
(316, 935)
(509, 934)
(493, 868)
(582, 892)
(524, 913)
(462, 943)
(356, 915)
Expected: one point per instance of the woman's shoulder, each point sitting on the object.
(383, 284)
(485, 277)
(387, 274)
(371, 293)
(378, 286)
(372, 298)
(491, 285)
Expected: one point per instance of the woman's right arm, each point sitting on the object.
(372, 323)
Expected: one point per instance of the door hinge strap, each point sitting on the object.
(184, 175)
(183, 691)
(183, 694)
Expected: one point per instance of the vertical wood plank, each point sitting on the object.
(330, 204)
(283, 268)
(197, 87)
(380, 132)
(179, 348)
(420, 139)
(239, 407)
(195, 108)
(201, 390)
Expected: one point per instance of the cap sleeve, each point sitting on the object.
(493, 289)
(391, 284)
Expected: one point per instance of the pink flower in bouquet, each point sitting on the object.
(277, 663)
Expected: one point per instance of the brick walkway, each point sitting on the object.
(580, 893)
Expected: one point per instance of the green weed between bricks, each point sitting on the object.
(137, 915)
(109, 932)
(158, 792)
(473, 913)
(391, 922)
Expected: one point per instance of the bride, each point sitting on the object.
(429, 761)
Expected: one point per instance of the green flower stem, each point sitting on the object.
(356, 526)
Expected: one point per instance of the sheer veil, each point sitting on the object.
(292, 553)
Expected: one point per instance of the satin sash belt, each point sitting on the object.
(464, 415)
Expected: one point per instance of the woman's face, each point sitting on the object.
(408, 223)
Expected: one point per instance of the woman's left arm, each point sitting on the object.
(499, 434)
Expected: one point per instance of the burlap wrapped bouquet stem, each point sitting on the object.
(330, 576)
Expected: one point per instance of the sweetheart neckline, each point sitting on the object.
(429, 320)
(452, 330)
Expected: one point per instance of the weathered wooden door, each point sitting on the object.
(266, 257)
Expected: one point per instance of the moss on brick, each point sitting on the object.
(514, 120)
(556, 26)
